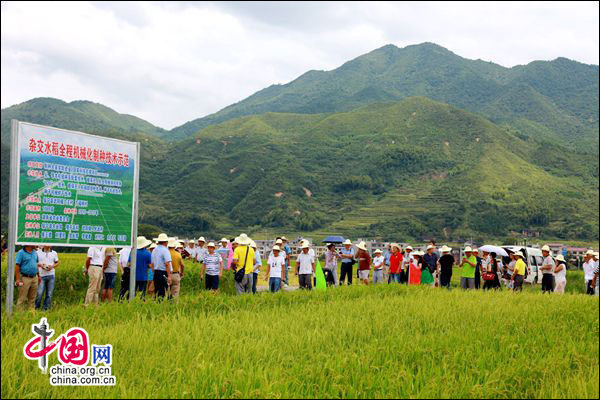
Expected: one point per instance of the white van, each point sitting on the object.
(533, 259)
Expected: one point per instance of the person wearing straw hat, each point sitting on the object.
(150, 281)
(396, 259)
(177, 270)
(588, 269)
(143, 264)
(416, 268)
(347, 255)
(386, 256)
(305, 268)
(560, 274)
(518, 276)
(547, 268)
(468, 265)
(275, 266)
(223, 250)
(200, 250)
(161, 260)
(287, 252)
(257, 265)
(378, 265)
(190, 250)
(243, 260)
(212, 268)
(407, 258)
(446, 264)
(364, 262)
(331, 265)
(430, 259)
(109, 269)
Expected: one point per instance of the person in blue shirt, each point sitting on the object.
(161, 262)
(288, 252)
(143, 263)
(27, 276)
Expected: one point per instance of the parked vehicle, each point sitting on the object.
(533, 259)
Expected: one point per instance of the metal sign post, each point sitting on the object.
(136, 201)
(12, 219)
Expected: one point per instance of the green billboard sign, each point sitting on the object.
(74, 189)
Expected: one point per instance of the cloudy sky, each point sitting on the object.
(173, 62)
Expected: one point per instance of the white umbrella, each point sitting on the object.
(494, 249)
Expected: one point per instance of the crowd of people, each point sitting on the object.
(161, 264)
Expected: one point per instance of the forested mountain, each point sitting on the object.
(351, 151)
(554, 99)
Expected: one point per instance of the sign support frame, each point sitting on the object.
(136, 200)
(12, 217)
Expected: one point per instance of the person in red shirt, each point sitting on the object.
(364, 262)
(395, 264)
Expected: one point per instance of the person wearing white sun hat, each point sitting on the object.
(212, 268)
(223, 250)
(364, 262)
(275, 266)
(161, 259)
(200, 249)
(305, 268)
(560, 274)
(347, 255)
(547, 268)
(378, 265)
(243, 260)
(446, 264)
(468, 265)
(407, 259)
(518, 276)
(190, 250)
(177, 269)
(588, 270)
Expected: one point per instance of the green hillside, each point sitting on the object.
(557, 100)
(76, 115)
(415, 168)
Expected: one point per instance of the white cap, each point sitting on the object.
(468, 249)
(211, 244)
(276, 248)
(347, 241)
(430, 247)
(224, 239)
(201, 239)
(162, 238)
(545, 248)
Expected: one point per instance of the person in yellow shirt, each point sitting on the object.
(519, 272)
(178, 267)
(243, 257)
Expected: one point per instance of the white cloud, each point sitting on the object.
(170, 63)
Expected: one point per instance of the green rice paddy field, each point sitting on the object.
(364, 342)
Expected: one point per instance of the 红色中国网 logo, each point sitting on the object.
(73, 352)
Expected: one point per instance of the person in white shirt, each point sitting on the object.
(510, 268)
(93, 268)
(378, 265)
(275, 266)
(257, 265)
(47, 262)
(588, 269)
(200, 250)
(305, 268)
(547, 268)
(190, 250)
(407, 259)
(560, 274)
